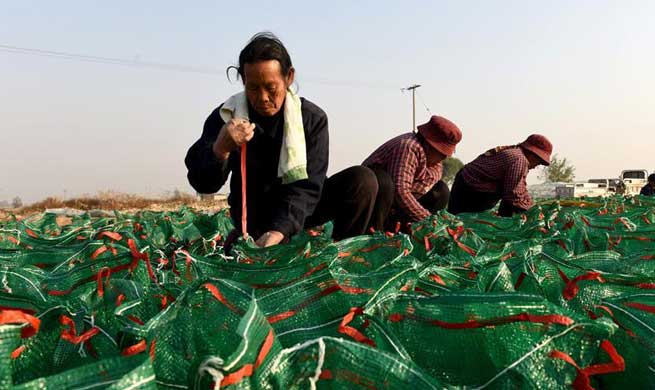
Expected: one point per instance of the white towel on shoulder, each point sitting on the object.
(293, 154)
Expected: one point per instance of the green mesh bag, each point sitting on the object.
(334, 363)
(496, 340)
(558, 297)
(134, 373)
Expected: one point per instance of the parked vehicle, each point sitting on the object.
(634, 180)
(578, 189)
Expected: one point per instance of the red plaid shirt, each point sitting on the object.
(404, 158)
(502, 170)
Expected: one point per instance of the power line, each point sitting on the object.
(106, 60)
(423, 102)
(166, 66)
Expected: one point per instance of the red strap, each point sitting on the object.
(456, 234)
(370, 248)
(111, 235)
(426, 243)
(585, 220)
(623, 221)
(152, 349)
(19, 317)
(136, 256)
(134, 349)
(219, 297)
(353, 332)
(571, 288)
(101, 273)
(99, 251)
(582, 381)
(304, 304)
(31, 233)
(281, 316)
(187, 261)
(16, 352)
(486, 223)
(641, 306)
(248, 369)
(136, 320)
(437, 279)
(119, 299)
(471, 324)
(519, 281)
(244, 203)
(70, 334)
(356, 290)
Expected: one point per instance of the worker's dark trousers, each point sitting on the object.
(386, 214)
(348, 199)
(464, 199)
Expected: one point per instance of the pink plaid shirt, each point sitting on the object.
(502, 170)
(404, 158)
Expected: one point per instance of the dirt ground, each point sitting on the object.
(114, 201)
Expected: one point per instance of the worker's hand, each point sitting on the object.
(233, 134)
(269, 238)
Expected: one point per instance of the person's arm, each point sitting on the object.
(206, 172)
(299, 199)
(207, 159)
(515, 196)
(402, 169)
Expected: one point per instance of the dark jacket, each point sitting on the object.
(271, 204)
(647, 190)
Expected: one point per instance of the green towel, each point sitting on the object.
(293, 154)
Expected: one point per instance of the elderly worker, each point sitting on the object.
(499, 175)
(286, 155)
(408, 168)
(649, 188)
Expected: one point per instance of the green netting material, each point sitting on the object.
(563, 296)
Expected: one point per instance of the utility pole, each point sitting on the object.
(413, 89)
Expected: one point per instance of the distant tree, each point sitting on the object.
(451, 166)
(17, 202)
(559, 170)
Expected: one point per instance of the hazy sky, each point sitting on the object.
(580, 72)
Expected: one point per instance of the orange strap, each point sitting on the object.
(353, 332)
(304, 304)
(456, 233)
(151, 352)
(99, 251)
(70, 334)
(106, 272)
(219, 297)
(248, 369)
(19, 317)
(134, 349)
(111, 235)
(244, 203)
(16, 352)
(136, 256)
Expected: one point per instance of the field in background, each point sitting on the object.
(110, 200)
